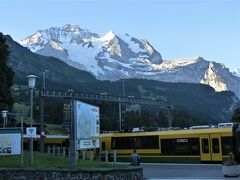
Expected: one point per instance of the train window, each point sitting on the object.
(215, 145)
(149, 142)
(138, 142)
(187, 146)
(205, 146)
(227, 145)
(195, 148)
(103, 146)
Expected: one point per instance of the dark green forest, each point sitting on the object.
(6, 77)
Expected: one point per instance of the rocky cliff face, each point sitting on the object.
(114, 56)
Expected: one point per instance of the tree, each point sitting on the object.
(236, 115)
(6, 77)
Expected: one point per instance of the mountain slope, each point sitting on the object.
(24, 62)
(114, 57)
(198, 100)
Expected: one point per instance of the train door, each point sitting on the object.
(216, 149)
(205, 147)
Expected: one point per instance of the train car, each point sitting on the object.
(193, 145)
(49, 141)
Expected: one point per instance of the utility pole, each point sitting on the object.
(170, 116)
(120, 115)
(73, 135)
(123, 88)
(120, 106)
(42, 132)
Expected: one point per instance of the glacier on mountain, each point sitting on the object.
(236, 72)
(113, 57)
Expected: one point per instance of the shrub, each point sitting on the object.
(230, 160)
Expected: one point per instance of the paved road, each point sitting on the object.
(184, 171)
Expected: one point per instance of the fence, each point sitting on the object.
(83, 154)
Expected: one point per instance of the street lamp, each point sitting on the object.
(4, 115)
(31, 85)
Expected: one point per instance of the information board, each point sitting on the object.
(10, 142)
(87, 126)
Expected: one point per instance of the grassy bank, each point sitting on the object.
(42, 160)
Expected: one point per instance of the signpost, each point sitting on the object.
(31, 132)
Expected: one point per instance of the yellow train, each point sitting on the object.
(186, 146)
(49, 141)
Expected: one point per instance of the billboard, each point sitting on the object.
(10, 142)
(87, 126)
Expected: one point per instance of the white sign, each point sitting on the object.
(31, 132)
(88, 126)
(88, 144)
(182, 140)
(10, 142)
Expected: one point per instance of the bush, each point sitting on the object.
(230, 160)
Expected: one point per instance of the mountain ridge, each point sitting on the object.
(113, 57)
(199, 100)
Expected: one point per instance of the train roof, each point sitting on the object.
(171, 132)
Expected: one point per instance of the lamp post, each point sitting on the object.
(4, 115)
(31, 85)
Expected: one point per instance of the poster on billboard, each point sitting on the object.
(87, 126)
(10, 142)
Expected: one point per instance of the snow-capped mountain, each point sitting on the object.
(113, 56)
(236, 72)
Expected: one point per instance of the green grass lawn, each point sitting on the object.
(42, 160)
(25, 110)
(54, 129)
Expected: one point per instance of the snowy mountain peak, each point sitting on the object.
(189, 59)
(35, 38)
(108, 37)
(68, 33)
(236, 72)
(115, 56)
(72, 27)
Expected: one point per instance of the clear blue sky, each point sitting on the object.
(176, 28)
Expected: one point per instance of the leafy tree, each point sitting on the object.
(6, 77)
(236, 115)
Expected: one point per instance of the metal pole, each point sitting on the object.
(42, 116)
(120, 115)
(42, 124)
(72, 137)
(31, 124)
(22, 138)
(170, 118)
(123, 87)
(44, 86)
(4, 119)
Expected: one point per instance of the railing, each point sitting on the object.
(65, 152)
(77, 95)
